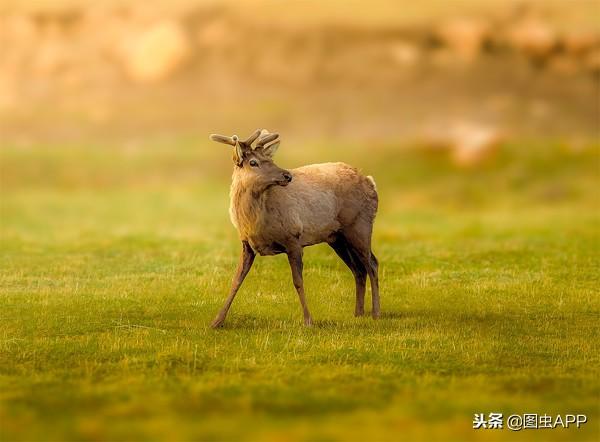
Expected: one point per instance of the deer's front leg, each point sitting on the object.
(244, 265)
(295, 260)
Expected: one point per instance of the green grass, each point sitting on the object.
(114, 261)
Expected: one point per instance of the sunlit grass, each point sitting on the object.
(114, 262)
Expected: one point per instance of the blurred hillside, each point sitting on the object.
(336, 70)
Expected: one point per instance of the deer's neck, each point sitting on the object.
(247, 208)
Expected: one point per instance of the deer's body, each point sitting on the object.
(320, 200)
(279, 211)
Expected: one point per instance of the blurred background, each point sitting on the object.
(466, 73)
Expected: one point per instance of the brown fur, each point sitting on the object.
(278, 211)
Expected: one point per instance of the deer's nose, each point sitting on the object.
(287, 176)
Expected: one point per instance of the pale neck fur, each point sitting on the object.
(246, 207)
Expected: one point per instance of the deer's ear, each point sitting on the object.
(271, 149)
(238, 154)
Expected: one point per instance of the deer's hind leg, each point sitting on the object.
(374, 277)
(343, 249)
(358, 237)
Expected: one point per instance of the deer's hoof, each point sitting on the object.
(308, 322)
(376, 315)
(217, 323)
(358, 313)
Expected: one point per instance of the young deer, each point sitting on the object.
(280, 211)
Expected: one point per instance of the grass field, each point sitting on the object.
(114, 261)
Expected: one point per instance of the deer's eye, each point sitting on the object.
(253, 163)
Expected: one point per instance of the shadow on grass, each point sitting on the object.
(255, 322)
(393, 315)
(456, 323)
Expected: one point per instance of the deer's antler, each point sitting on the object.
(248, 141)
(232, 141)
(265, 138)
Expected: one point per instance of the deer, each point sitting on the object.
(282, 211)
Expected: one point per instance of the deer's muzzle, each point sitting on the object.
(286, 179)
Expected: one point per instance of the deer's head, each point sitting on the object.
(255, 163)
